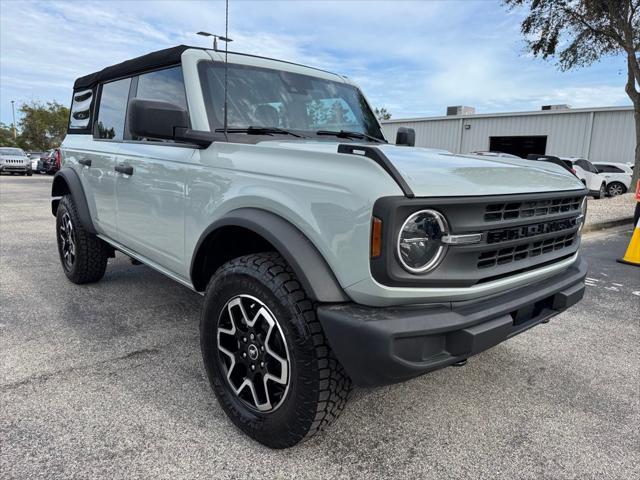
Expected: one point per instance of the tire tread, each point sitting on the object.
(92, 253)
(332, 383)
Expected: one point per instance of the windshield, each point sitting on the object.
(11, 151)
(261, 97)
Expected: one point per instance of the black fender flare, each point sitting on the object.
(67, 182)
(307, 262)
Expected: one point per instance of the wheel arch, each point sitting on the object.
(260, 230)
(67, 182)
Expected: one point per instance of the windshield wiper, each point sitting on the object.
(348, 134)
(253, 130)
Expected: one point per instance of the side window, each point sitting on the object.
(590, 166)
(164, 85)
(112, 110)
(80, 110)
(583, 164)
(604, 168)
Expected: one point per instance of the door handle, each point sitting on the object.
(124, 168)
(85, 161)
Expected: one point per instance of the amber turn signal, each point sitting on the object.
(376, 237)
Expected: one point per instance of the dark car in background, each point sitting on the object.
(50, 162)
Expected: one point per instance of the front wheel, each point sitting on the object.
(601, 192)
(266, 355)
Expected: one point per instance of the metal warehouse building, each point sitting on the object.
(598, 134)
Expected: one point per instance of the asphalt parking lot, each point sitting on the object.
(106, 381)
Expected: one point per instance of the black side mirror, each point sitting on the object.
(155, 119)
(406, 137)
(164, 120)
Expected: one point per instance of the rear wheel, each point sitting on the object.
(266, 355)
(83, 255)
(616, 188)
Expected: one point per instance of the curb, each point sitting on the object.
(603, 225)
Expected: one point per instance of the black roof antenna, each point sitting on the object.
(226, 41)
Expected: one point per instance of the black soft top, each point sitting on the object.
(158, 59)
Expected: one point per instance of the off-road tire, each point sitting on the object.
(91, 253)
(318, 386)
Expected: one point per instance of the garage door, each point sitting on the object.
(520, 145)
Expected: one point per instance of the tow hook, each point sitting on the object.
(461, 363)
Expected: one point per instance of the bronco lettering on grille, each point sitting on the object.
(525, 231)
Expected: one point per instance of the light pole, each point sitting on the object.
(13, 111)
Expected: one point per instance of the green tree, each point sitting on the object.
(382, 113)
(580, 32)
(42, 126)
(6, 136)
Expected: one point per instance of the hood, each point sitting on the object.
(431, 172)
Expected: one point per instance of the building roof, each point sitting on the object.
(510, 114)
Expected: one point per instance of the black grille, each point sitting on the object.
(531, 230)
(534, 208)
(502, 256)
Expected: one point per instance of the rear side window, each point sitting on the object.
(81, 110)
(608, 169)
(112, 110)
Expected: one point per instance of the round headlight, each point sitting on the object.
(419, 245)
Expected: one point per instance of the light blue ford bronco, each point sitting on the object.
(326, 256)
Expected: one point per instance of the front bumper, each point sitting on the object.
(15, 168)
(381, 346)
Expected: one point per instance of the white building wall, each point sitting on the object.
(613, 137)
(596, 134)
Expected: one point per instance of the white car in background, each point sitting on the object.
(618, 176)
(594, 181)
(35, 158)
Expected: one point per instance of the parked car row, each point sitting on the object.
(601, 179)
(16, 161)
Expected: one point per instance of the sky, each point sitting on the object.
(411, 57)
